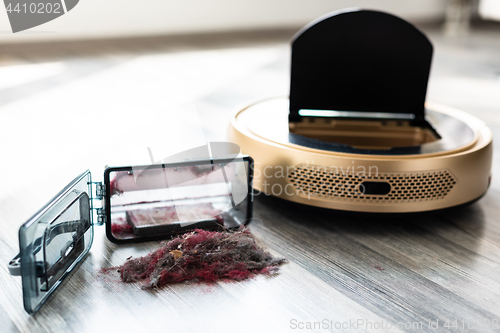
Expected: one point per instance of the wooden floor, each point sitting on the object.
(68, 107)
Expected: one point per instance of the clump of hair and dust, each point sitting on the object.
(203, 256)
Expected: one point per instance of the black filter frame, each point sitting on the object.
(216, 162)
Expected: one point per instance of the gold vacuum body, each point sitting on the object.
(449, 170)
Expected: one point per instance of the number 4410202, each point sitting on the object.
(35, 8)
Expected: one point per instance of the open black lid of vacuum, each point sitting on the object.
(360, 64)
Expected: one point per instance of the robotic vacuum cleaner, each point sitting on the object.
(355, 134)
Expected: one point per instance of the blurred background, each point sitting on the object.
(97, 19)
(115, 18)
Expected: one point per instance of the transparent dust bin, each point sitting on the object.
(135, 203)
